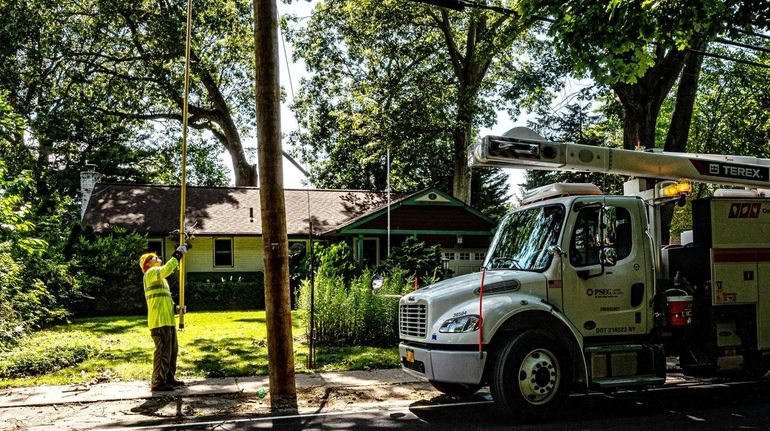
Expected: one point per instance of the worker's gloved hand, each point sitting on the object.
(180, 251)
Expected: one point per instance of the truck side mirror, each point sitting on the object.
(555, 250)
(377, 282)
(608, 256)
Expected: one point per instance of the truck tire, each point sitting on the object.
(456, 389)
(530, 376)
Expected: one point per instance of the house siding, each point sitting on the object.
(247, 255)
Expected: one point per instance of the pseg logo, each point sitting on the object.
(604, 293)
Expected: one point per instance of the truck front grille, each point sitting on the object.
(413, 320)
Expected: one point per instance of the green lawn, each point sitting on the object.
(215, 344)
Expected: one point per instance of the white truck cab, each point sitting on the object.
(576, 292)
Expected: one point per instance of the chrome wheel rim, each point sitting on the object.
(539, 376)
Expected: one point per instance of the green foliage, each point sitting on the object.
(732, 111)
(621, 41)
(336, 261)
(353, 314)
(46, 353)
(412, 258)
(225, 294)
(404, 78)
(108, 272)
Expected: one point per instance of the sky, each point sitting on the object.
(290, 75)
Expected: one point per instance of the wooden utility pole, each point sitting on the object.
(283, 390)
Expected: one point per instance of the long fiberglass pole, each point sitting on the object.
(183, 197)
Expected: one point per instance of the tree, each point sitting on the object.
(137, 49)
(637, 48)
(411, 78)
(640, 50)
(75, 75)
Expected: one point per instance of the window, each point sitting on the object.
(465, 255)
(523, 238)
(155, 246)
(449, 255)
(478, 256)
(223, 252)
(371, 251)
(600, 229)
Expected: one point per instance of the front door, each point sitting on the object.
(607, 270)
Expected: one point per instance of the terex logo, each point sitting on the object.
(745, 210)
(735, 171)
(731, 170)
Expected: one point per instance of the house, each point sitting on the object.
(228, 230)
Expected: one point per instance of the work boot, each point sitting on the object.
(163, 387)
(176, 383)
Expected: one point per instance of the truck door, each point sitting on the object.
(607, 268)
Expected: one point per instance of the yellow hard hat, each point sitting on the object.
(145, 259)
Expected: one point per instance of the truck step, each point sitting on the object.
(617, 382)
(615, 348)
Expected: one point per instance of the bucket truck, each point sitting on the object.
(577, 293)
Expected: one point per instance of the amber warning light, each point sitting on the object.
(671, 189)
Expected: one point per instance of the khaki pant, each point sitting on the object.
(164, 358)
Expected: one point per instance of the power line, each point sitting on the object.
(725, 57)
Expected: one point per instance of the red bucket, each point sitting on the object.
(679, 310)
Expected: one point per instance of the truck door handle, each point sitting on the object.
(637, 294)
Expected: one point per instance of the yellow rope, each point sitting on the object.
(183, 198)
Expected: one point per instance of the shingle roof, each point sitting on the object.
(154, 209)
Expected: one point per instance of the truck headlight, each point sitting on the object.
(467, 323)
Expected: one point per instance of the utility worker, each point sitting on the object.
(160, 317)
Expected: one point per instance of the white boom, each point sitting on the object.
(532, 152)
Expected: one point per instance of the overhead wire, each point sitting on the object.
(311, 342)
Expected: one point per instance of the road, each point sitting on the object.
(701, 406)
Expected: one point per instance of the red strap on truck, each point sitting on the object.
(481, 319)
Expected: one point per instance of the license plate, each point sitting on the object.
(409, 355)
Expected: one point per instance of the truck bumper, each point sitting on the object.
(442, 365)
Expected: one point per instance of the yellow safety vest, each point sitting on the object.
(160, 306)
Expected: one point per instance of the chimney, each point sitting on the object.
(88, 179)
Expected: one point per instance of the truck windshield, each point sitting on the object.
(524, 237)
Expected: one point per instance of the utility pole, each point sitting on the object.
(283, 390)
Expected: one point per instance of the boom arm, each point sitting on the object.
(532, 153)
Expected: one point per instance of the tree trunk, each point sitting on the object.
(461, 176)
(641, 105)
(678, 131)
(245, 173)
(640, 114)
(642, 100)
(283, 390)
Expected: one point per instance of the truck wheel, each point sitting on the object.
(530, 376)
(456, 389)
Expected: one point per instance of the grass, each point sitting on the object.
(213, 344)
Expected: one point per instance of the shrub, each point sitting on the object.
(25, 302)
(353, 314)
(108, 273)
(47, 353)
(336, 260)
(415, 259)
(233, 293)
